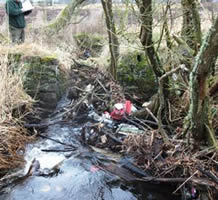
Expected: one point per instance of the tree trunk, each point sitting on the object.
(199, 110)
(113, 40)
(191, 28)
(63, 18)
(145, 9)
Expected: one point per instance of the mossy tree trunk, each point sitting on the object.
(63, 18)
(113, 39)
(145, 8)
(146, 16)
(191, 27)
(199, 110)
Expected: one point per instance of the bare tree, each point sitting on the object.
(63, 18)
(146, 16)
(113, 40)
(191, 28)
(145, 8)
(199, 110)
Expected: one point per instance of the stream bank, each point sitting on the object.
(71, 152)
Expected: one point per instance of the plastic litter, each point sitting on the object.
(122, 109)
(104, 118)
(127, 128)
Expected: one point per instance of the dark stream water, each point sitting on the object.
(78, 177)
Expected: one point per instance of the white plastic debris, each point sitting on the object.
(119, 106)
(127, 128)
(89, 88)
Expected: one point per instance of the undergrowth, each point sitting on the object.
(13, 136)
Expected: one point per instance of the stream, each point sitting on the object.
(76, 175)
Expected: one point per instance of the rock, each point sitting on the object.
(135, 72)
(44, 80)
(44, 77)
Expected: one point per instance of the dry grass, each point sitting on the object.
(13, 136)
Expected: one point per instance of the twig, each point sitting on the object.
(57, 150)
(162, 101)
(42, 125)
(102, 86)
(143, 122)
(208, 174)
(152, 115)
(54, 140)
(204, 152)
(118, 141)
(135, 123)
(198, 181)
(185, 182)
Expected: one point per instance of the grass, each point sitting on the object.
(13, 136)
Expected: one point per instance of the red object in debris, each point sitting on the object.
(120, 110)
(117, 113)
(128, 107)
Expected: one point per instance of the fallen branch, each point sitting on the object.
(118, 141)
(57, 150)
(185, 182)
(57, 141)
(208, 174)
(198, 181)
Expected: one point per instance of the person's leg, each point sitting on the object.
(22, 36)
(17, 35)
(13, 34)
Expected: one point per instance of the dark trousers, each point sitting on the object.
(17, 35)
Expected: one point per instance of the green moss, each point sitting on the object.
(43, 79)
(63, 18)
(91, 42)
(135, 71)
(49, 60)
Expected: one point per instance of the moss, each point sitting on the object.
(135, 71)
(63, 18)
(49, 60)
(91, 42)
(43, 78)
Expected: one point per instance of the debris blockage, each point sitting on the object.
(95, 95)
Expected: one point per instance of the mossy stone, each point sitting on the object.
(134, 71)
(44, 77)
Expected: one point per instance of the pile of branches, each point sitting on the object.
(90, 86)
(176, 162)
